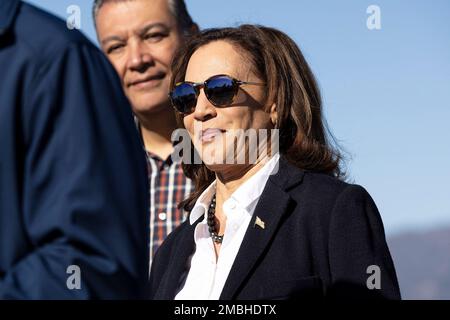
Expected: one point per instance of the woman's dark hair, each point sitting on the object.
(277, 61)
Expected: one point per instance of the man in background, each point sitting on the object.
(73, 192)
(140, 38)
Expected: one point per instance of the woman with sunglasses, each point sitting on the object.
(285, 224)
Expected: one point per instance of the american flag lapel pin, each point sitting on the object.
(259, 222)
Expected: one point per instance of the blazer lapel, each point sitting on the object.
(272, 205)
(177, 265)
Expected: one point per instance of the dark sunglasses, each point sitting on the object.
(220, 90)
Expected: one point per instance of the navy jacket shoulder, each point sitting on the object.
(73, 186)
(35, 36)
(322, 238)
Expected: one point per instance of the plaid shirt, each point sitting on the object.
(168, 186)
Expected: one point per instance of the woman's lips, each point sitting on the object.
(209, 134)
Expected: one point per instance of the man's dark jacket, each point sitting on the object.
(73, 187)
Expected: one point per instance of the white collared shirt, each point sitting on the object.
(205, 278)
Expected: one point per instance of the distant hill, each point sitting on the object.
(422, 261)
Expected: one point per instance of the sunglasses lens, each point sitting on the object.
(184, 98)
(221, 90)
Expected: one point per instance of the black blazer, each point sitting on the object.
(320, 237)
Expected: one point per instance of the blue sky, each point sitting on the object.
(386, 92)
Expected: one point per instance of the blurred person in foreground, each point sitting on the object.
(140, 37)
(73, 202)
(281, 226)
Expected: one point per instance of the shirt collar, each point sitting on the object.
(8, 9)
(251, 190)
(246, 195)
(202, 203)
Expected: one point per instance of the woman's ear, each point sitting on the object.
(274, 115)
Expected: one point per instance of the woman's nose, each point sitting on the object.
(204, 109)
